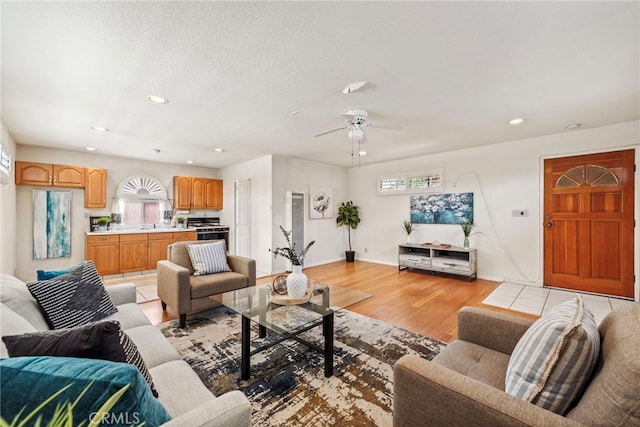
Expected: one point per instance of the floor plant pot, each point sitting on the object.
(297, 283)
(350, 255)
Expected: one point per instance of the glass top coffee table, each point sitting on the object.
(289, 321)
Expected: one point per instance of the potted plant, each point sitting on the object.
(180, 221)
(349, 215)
(103, 222)
(467, 229)
(297, 280)
(409, 228)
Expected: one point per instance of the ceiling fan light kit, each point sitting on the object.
(356, 120)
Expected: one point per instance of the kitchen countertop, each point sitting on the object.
(138, 231)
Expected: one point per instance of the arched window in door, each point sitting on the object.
(592, 175)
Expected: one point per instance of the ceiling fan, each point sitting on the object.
(357, 119)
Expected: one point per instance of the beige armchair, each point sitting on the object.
(465, 383)
(181, 290)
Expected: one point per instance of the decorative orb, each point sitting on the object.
(280, 285)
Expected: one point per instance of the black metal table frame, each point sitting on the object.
(327, 332)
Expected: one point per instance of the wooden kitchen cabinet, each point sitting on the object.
(104, 251)
(213, 196)
(184, 236)
(182, 192)
(158, 243)
(133, 252)
(95, 191)
(197, 193)
(45, 174)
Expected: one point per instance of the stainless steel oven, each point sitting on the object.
(209, 228)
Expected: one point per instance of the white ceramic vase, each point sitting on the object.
(297, 283)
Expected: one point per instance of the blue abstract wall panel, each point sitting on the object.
(448, 208)
(51, 224)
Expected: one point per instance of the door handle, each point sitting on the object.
(548, 224)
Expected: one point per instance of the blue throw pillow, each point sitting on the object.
(29, 381)
(46, 275)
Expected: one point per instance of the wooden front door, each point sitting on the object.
(588, 223)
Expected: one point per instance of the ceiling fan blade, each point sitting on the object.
(385, 126)
(332, 130)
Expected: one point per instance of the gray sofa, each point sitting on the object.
(185, 293)
(180, 390)
(464, 384)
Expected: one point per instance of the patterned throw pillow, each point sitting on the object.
(554, 359)
(208, 258)
(133, 357)
(73, 299)
(103, 340)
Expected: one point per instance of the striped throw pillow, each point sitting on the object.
(208, 258)
(554, 359)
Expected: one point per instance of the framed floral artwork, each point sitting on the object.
(320, 203)
(448, 208)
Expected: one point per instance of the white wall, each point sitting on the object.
(297, 175)
(8, 239)
(259, 172)
(511, 178)
(117, 170)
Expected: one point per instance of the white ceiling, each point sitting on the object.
(452, 73)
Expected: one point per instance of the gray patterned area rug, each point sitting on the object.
(287, 384)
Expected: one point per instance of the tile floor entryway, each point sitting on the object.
(145, 281)
(537, 300)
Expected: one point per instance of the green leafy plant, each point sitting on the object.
(181, 220)
(409, 227)
(103, 220)
(349, 215)
(467, 228)
(63, 414)
(290, 251)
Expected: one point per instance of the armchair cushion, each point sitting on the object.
(553, 360)
(208, 258)
(213, 284)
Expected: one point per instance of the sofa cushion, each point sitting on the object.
(213, 284)
(612, 395)
(100, 340)
(208, 258)
(15, 295)
(73, 299)
(474, 361)
(28, 381)
(180, 388)
(553, 360)
(11, 323)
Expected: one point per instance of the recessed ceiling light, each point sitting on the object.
(294, 113)
(190, 162)
(574, 126)
(516, 121)
(99, 129)
(157, 99)
(90, 148)
(362, 153)
(218, 150)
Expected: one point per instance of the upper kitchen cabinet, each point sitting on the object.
(95, 191)
(213, 194)
(30, 173)
(197, 193)
(182, 192)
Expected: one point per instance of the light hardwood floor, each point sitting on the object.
(413, 300)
